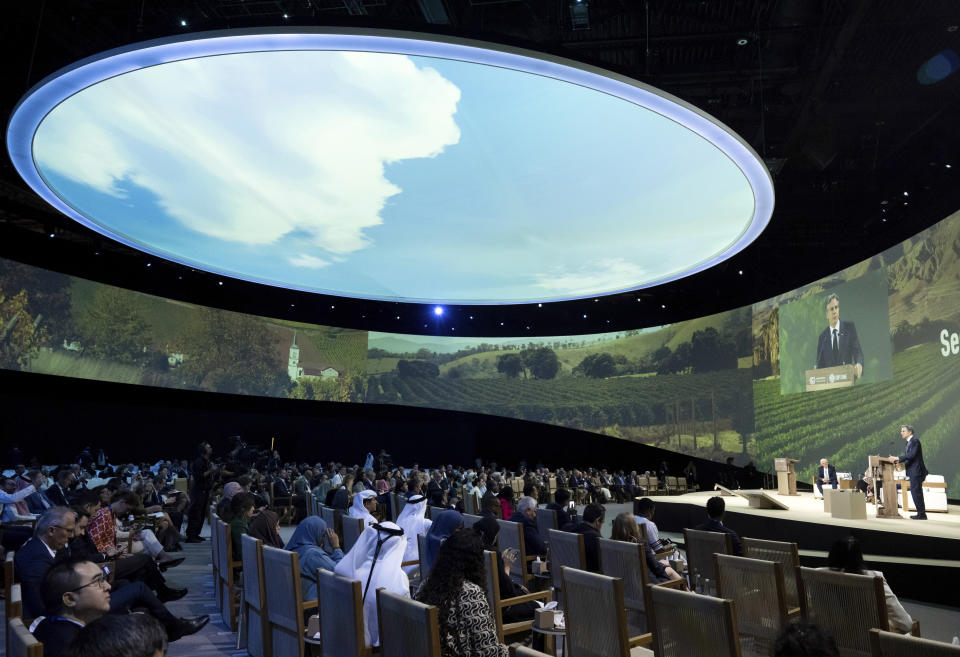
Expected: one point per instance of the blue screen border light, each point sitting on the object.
(48, 93)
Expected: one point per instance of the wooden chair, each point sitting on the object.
(511, 536)
(628, 562)
(566, 549)
(758, 590)
(653, 485)
(685, 624)
(180, 484)
(846, 605)
(643, 483)
(285, 608)
(422, 550)
(469, 520)
(681, 485)
(12, 607)
(546, 520)
(352, 528)
(341, 616)
(407, 628)
(893, 644)
(517, 650)
(789, 557)
(670, 485)
(701, 546)
(21, 642)
(283, 505)
(227, 571)
(498, 604)
(255, 623)
(215, 556)
(334, 522)
(551, 489)
(596, 616)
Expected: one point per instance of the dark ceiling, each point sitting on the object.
(826, 92)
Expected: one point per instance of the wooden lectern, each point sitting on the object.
(827, 378)
(881, 467)
(786, 476)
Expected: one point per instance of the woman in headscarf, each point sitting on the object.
(375, 561)
(445, 524)
(364, 503)
(265, 526)
(412, 521)
(457, 588)
(489, 529)
(308, 541)
(230, 489)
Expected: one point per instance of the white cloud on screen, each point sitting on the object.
(308, 261)
(252, 147)
(602, 275)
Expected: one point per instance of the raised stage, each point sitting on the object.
(920, 558)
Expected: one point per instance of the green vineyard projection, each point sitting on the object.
(847, 425)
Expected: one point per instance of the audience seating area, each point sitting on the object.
(738, 605)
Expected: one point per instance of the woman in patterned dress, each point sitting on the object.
(455, 587)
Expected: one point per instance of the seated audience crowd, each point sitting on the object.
(93, 543)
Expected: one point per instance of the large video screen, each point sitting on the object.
(752, 383)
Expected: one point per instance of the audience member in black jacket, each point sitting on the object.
(74, 593)
(560, 505)
(526, 515)
(716, 508)
(593, 515)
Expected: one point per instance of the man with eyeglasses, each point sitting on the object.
(74, 595)
(32, 561)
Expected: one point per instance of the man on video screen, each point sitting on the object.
(838, 343)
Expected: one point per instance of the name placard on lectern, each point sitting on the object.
(786, 476)
(827, 378)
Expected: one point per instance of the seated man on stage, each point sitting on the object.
(826, 474)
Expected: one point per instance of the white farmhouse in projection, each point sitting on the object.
(295, 372)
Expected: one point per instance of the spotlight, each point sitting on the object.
(438, 310)
(948, 166)
(742, 42)
(183, 23)
(584, 315)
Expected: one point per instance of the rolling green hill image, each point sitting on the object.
(679, 386)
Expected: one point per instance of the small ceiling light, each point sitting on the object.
(742, 42)
(291, 305)
(501, 323)
(948, 166)
(52, 235)
(471, 316)
(438, 310)
(662, 305)
(286, 16)
(219, 282)
(584, 315)
(539, 305)
(740, 271)
(906, 193)
(453, 328)
(183, 23)
(398, 316)
(332, 307)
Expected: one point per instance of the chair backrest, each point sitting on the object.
(254, 613)
(595, 615)
(546, 520)
(847, 605)
(422, 551)
(757, 589)
(701, 546)
(329, 517)
(352, 528)
(284, 612)
(566, 549)
(215, 556)
(670, 482)
(492, 589)
(469, 503)
(511, 536)
(892, 644)
(516, 650)
(8, 586)
(401, 502)
(786, 553)
(180, 484)
(226, 569)
(627, 561)
(685, 623)
(436, 511)
(341, 616)
(407, 627)
(469, 520)
(652, 483)
(21, 642)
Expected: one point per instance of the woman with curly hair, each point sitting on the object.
(625, 528)
(455, 587)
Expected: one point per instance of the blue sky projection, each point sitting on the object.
(393, 176)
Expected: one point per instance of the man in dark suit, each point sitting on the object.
(560, 505)
(75, 593)
(57, 494)
(589, 526)
(716, 508)
(838, 343)
(526, 515)
(826, 474)
(916, 470)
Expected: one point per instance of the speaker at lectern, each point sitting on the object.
(786, 476)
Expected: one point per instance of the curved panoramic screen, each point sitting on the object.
(373, 166)
(752, 383)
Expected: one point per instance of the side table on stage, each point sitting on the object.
(882, 469)
(786, 476)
